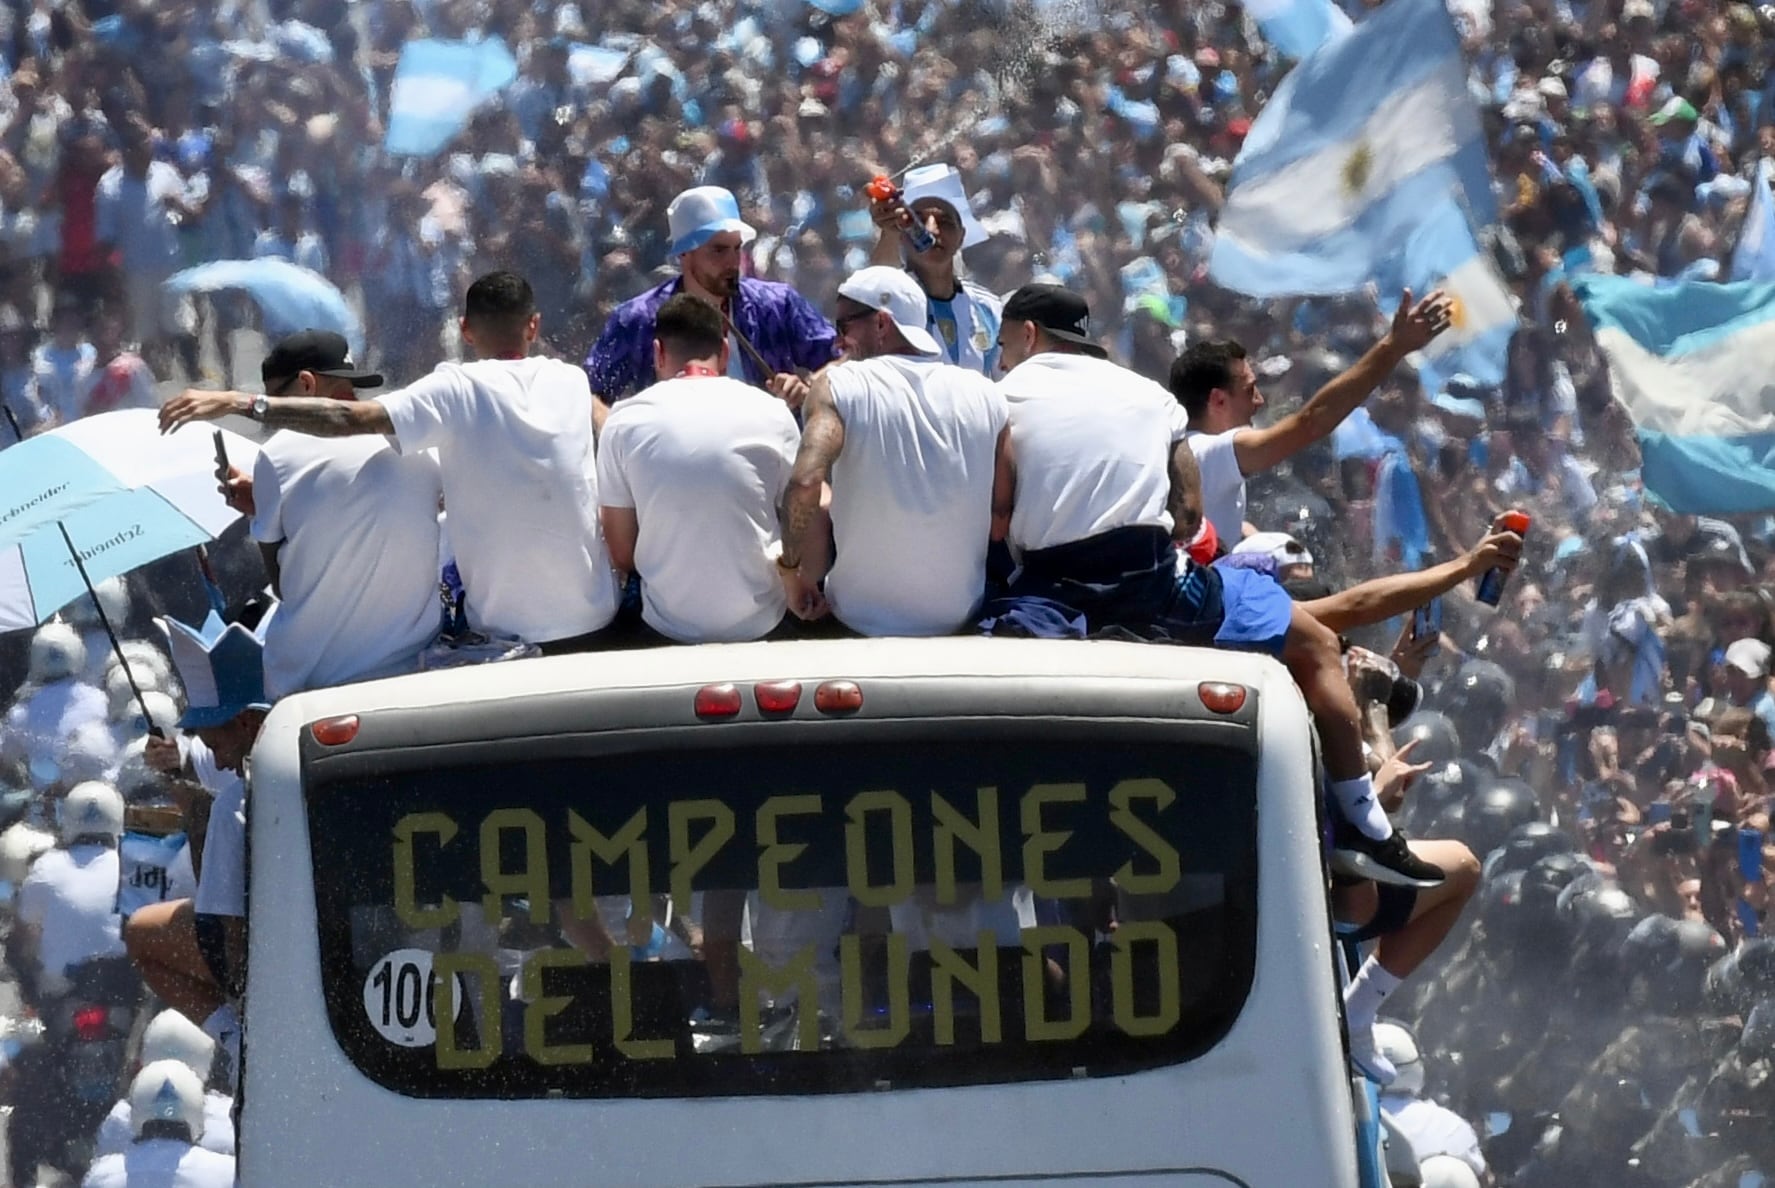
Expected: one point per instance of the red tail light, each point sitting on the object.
(1221, 698)
(777, 697)
(335, 732)
(89, 1023)
(717, 701)
(838, 697)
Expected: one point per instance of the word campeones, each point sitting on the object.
(702, 832)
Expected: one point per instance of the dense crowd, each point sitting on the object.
(1619, 695)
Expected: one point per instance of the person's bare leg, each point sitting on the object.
(162, 941)
(1312, 656)
(1437, 910)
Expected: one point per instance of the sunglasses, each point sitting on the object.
(839, 323)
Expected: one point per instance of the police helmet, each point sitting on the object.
(1447, 1171)
(88, 753)
(169, 1092)
(1496, 809)
(171, 1036)
(92, 809)
(1438, 741)
(1528, 844)
(1478, 699)
(1500, 907)
(57, 653)
(136, 782)
(1545, 879)
(143, 656)
(113, 600)
(1598, 923)
(163, 712)
(1758, 1039)
(122, 696)
(1398, 1045)
(20, 846)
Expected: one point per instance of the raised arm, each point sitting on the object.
(1414, 326)
(313, 415)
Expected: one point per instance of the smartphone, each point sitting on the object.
(221, 457)
(1750, 855)
(1658, 812)
(1426, 620)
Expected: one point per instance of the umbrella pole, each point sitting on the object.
(110, 633)
(12, 419)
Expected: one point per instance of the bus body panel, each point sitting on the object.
(1268, 1105)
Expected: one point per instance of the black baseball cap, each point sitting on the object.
(319, 351)
(1061, 313)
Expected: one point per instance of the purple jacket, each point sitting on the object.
(786, 329)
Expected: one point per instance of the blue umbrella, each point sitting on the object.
(289, 297)
(107, 495)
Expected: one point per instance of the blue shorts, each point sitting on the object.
(1255, 610)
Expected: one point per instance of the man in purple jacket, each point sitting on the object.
(708, 241)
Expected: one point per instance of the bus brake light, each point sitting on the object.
(717, 701)
(838, 697)
(777, 697)
(1220, 697)
(335, 732)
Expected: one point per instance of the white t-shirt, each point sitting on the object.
(70, 896)
(703, 461)
(911, 494)
(514, 439)
(1223, 483)
(222, 889)
(162, 1163)
(1435, 1130)
(37, 727)
(357, 570)
(115, 1135)
(1092, 443)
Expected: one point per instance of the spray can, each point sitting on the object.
(1491, 582)
(883, 189)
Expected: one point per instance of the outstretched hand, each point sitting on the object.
(1414, 326)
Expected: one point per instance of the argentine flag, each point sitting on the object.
(438, 85)
(1360, 140)
(1298, 27)
(1754, 257)
(1442, 253)
(1690, 363)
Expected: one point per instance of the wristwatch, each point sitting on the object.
(260, 406)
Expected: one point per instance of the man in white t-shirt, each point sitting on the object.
(167, 1114)
(1214, 382)
(67, 905)
(349, 531)
(513, 433)
(1101, 480)
(916, 452)
(690, 474)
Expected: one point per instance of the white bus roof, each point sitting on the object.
(854, 659)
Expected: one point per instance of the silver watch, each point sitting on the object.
(261, 406)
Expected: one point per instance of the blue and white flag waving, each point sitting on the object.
(1754, 257)
(1690, 363)
(1298, 27)
(1360, 140)
(1442, 253)
(438, 85)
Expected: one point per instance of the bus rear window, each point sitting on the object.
(803, 918)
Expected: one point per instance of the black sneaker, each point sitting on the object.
(1390, 861)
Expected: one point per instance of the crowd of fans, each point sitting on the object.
(1619, 695)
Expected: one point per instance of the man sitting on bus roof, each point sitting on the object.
(690, 473)
(1095, 518)
(192, 953)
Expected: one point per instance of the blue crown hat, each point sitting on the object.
(221, 665)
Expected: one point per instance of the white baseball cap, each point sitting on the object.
(898, 296)
(1278, 545)
(700, 214)
(942, 183)
(1748, 656)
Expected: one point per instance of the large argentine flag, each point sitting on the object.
(438, 85)
(1690, 363)
(1298, 27)
(1359, 141)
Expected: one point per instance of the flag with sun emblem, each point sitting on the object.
(1368, 136)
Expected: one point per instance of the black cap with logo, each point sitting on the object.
(1061, 313)
(319, 351)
